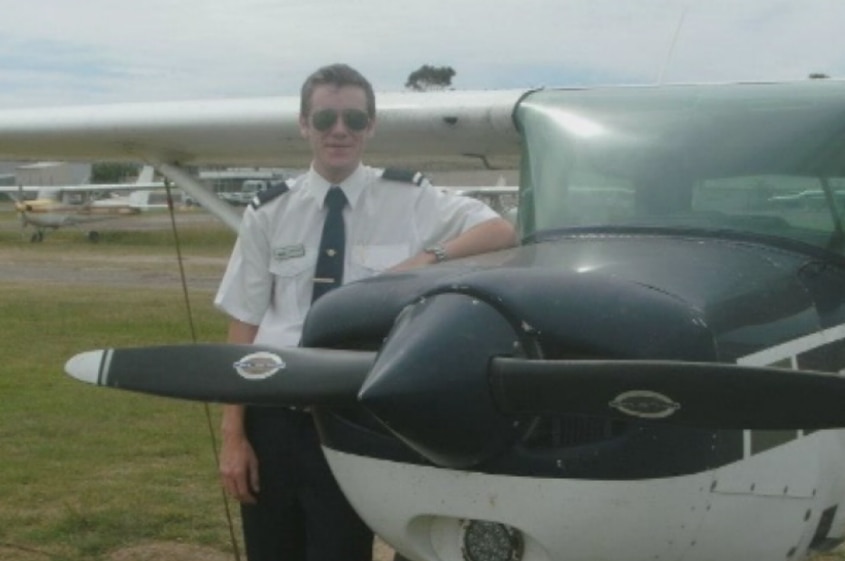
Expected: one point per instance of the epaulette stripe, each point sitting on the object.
(268, 195)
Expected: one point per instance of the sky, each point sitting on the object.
(63, 52)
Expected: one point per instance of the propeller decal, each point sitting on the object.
(645, 404)
(258, 366)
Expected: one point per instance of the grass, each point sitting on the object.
(85, 471)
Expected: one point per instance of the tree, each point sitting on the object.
(113, 172)
(428, 77)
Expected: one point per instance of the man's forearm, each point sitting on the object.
(232, 424)
(490, 235)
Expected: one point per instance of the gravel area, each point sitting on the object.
(148, 271)
(86, 263)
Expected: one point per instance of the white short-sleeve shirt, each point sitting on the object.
(269, 278)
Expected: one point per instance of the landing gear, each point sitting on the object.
(93, 236)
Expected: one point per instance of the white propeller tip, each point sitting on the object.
(86, 366)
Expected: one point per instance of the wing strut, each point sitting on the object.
(210, 201)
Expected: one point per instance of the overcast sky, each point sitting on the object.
(57, 52)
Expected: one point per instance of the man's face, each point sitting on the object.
(338, 147)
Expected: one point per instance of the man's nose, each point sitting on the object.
(339, 126)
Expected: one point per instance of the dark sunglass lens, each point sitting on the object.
(324, 119)
(355, 120)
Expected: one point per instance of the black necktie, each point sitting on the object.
(329, 272)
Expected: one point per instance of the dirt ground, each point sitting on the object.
(129, 271)
(20, 262)
(170, 551)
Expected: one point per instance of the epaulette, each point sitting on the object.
(269, 194)
(403, 176)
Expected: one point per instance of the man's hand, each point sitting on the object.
(239, 469)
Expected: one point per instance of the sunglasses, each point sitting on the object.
(354, 119)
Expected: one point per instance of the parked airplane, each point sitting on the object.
(653, 374)
(501, 198)
(56, 207)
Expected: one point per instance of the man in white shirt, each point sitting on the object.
(270, 460)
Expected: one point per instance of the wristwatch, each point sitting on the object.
(438, 251)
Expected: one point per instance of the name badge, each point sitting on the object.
(288, 252)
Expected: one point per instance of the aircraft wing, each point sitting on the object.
(87, 188)
(414, 129)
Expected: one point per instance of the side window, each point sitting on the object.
(790, 206)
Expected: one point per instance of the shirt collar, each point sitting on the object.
(352, 186)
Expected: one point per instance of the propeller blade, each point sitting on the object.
(20, 206)
(229, 373)
(706, 395)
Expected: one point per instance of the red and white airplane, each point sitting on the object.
(60, 206)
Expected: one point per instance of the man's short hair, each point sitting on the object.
(338, 75)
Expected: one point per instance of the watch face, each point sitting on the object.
(438, 252)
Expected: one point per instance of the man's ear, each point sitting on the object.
(303, 126)
(371, 128)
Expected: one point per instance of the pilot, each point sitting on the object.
(270, 459)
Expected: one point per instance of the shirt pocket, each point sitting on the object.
(292, 284)
(370, 260)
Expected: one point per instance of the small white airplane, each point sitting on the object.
(501, 198)
(239, 186)
(61, 206)
(653, 374)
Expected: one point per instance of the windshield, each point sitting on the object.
(753, 158)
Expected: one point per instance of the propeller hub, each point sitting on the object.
(430, 383)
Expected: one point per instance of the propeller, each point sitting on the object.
(23, 221)
(20, 206)
(449, 381)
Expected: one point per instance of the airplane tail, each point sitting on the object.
(146, 175)
(17, 199)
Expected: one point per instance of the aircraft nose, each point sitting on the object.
(429, 384)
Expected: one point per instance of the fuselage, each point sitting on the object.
(770, 506)
(47, 213)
